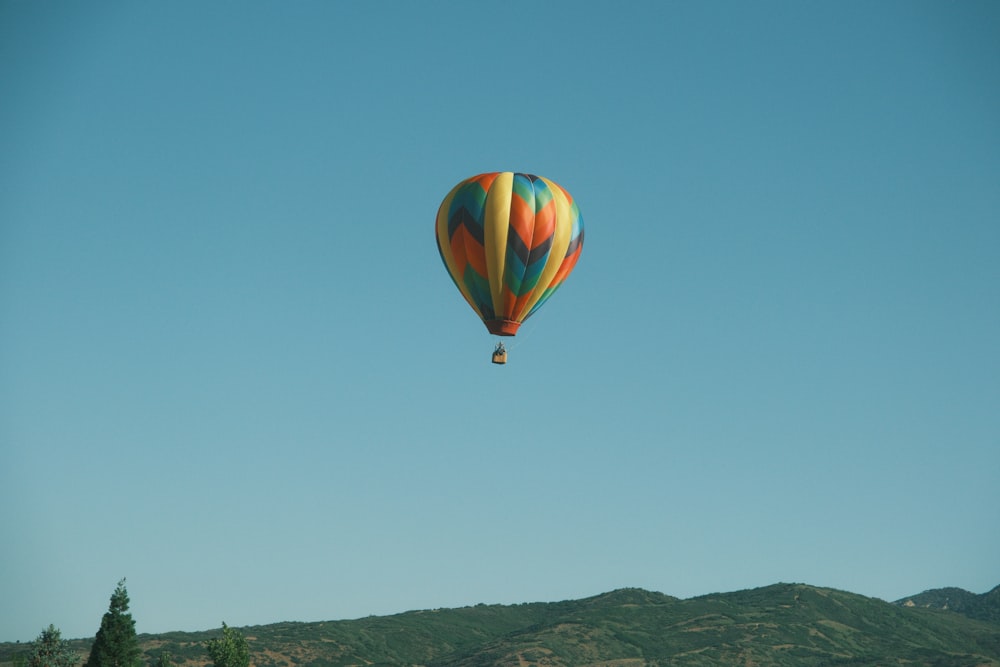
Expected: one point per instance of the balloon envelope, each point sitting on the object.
(508, 241)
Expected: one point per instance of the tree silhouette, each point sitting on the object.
(49, 650)
(116, 644)
(229, 650)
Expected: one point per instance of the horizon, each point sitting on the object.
(139, 633)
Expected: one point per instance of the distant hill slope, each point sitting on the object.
(985, 607)
(783, 624)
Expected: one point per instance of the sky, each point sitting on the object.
(234, 371)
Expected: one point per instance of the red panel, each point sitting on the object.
(522, 219)
(545, 224)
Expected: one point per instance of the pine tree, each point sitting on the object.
(49, 650)
(229, 650)
(116, 644)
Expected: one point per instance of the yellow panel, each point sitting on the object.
(560, 244)
(495, 229)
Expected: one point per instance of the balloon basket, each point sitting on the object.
(500, 357)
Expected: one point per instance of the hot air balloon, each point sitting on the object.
(508, 240)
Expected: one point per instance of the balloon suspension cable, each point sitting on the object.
(527, 328)
(506, 344)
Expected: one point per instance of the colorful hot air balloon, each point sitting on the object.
(508, 240)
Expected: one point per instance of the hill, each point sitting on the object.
(985, 607)
(783, 624)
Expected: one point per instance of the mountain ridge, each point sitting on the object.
(984, 606)
(780, 624)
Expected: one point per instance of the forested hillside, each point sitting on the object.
(783, 624)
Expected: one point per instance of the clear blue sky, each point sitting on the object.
(234, 370)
